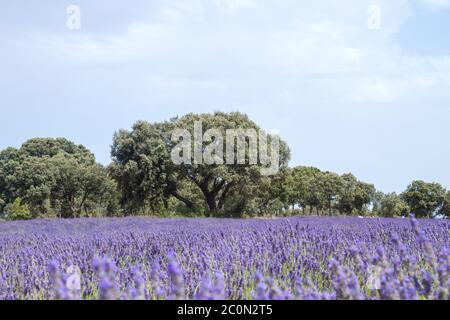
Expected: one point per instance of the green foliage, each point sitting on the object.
(324, 192)
(330, 186)
(18, 211)
(445, 209)
(355, 195)
(142, 167)
(54, 177)
(302, 188)
(147, 178)
(226, 188)
(79, 187)
(424, 198)
(49, 177)
(391, 205)
(49, 147)
(269, 197)
(2, 205)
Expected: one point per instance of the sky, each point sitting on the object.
(352, 86)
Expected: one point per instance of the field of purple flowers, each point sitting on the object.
(286, 258)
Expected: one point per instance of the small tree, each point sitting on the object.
(391, 205)
(330, 185)
(445, 209)
(424, 198)
(303, 189)
(355, 195)
(18, 211)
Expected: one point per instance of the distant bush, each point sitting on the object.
(18, 211)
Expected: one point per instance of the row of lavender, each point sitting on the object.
(289, 258)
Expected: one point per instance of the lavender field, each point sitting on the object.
(285, 258)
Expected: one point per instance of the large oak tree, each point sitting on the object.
(147, 175)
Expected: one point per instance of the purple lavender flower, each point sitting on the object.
(106, 272)
(177, 289)
(297, 258)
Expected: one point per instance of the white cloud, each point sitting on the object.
(138, 40)
(319, 48)
(196, 43)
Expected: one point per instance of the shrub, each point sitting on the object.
(18, 211)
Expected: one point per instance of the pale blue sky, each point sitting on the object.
(344, 96)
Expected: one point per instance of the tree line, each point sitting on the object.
(49, 177)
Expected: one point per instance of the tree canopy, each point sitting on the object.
(142, 158)
(214, 164)
(54, 177)
(424, 198)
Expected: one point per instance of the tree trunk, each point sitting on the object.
(211, 201)
(329, 207)
(189, 204)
